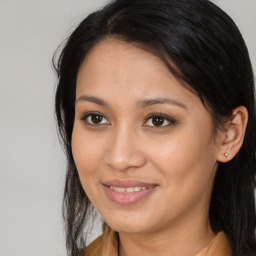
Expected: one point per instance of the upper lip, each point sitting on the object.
(128, 183)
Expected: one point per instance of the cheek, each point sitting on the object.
(186, 159)
(86, 153)
(187, 167)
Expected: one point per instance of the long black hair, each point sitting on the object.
(208, 53)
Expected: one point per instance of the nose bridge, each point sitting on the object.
(123, 151)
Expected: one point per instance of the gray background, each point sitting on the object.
(32, 165)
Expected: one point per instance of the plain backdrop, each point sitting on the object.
(32, 164)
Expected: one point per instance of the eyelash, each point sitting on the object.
(170, 120)
(165, 118)
(91, 114)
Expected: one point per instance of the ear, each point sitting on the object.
(232, 136)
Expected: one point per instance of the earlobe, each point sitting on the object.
(233, 135)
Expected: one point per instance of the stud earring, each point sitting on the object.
(226, 154)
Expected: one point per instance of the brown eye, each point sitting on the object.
(158, 121)
(95, 119)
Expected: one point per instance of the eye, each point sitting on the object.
(158, 120)
(95, 119)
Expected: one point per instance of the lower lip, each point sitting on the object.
(127, 198)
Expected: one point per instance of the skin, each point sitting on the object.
(180, 157)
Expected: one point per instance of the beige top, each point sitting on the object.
(107, 245)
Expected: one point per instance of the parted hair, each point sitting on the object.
(203, 48)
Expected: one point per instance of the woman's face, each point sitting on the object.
(143, 145)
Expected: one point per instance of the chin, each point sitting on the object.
(128, 228)
(129, 225)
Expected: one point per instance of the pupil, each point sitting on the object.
(96, 119)
(157, 121)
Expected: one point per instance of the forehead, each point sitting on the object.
(119, 70)
(113, 58)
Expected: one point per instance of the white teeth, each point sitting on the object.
(127, 190)
(117, 189)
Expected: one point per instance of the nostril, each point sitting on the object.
(123, 150)
(124, 160)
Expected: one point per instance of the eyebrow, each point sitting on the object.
(92, 99)
(155, 101)
(140, 104)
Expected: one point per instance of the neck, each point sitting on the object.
(186, 239)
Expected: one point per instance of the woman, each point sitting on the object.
(155, 105)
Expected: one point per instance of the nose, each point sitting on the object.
(124, 150)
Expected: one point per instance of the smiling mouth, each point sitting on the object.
(128, 190)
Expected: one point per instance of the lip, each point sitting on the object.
(128, 183)
(123, 198)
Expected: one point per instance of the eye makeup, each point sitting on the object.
(154, 120)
